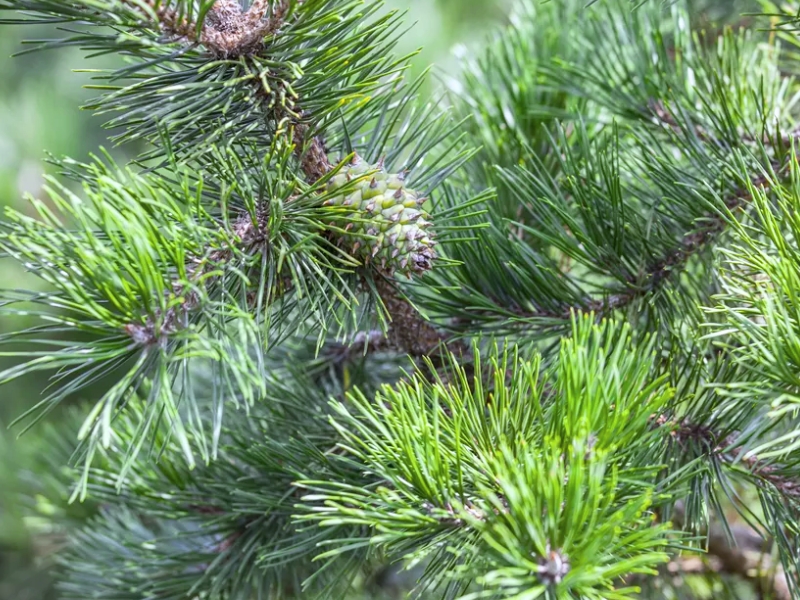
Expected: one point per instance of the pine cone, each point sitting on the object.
(385, 223)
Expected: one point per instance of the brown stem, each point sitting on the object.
(659, 272)
(312, 154)
(409, 332)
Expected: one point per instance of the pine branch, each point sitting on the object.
(660, 272)
(220, 75)
(725, 450)
(182, 270)
(775, 485)
(711, 225)
(277, 100)
(409, 332)
(518, 480)
(608, 212)
(738, 550)
(224, 528)
(511, 482)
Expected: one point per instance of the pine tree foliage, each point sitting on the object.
(537, 339)
(515, 479)
(717, 104)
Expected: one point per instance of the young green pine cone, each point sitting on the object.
(385, 223)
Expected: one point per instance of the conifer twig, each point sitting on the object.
(743, 556)
(737, 558)
(660, 271)
(723, 449)
(657, 273)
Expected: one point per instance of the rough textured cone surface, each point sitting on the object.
(384, 222)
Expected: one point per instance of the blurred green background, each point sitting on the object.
(40, 99)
